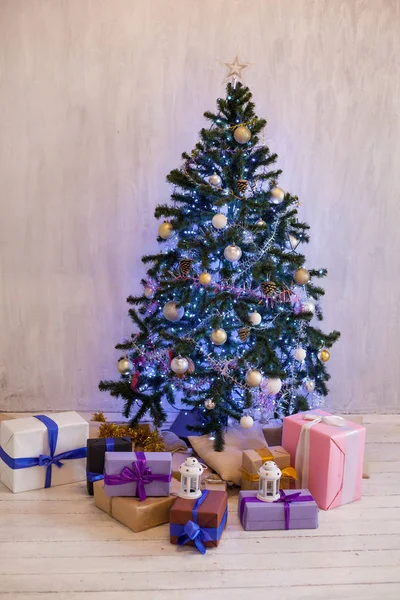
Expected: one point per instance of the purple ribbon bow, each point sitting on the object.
(287, 499)
(140, 473)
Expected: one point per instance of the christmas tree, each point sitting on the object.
(225, 322)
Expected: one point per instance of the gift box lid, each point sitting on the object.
(275, 511)
(211, 511)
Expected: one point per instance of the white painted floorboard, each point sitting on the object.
(55, 544)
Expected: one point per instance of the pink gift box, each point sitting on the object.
(328, 456)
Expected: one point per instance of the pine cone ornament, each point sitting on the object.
(185, 266)
(242, 185)
(244, 333)
(268, 288)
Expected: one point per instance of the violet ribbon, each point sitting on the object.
(287, 499)
(140, 474)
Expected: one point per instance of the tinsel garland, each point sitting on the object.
(149, 441)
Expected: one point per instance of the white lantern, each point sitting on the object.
(270, 476)
(191, 471)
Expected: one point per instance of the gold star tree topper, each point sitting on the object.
(235, 69)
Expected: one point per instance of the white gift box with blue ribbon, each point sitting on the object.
(43, 451)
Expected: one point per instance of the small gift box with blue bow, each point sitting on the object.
(96, 449)
(43, 451)
(199, 522)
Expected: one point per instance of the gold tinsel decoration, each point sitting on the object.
(142, 438)
(99, 417)
(268, 287)
(242, 185)
(244, 333)
(185, 266)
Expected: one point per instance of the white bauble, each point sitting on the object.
(148, 291)
(179, 365)
(260, 223)
(246, 422)
(218, 336)
(277, 195)
(219, 221)
(125, 366)
(165, 230)
(173, 311)
(272, 385)
(300, 354)
(310, 385)
(215, 180)
(255, 318)
(233, 253)
(253, 378)
(308, 307)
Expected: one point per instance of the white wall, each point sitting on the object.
(98, 98)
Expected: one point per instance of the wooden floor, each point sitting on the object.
(56, 544)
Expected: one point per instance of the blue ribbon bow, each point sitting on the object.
(44, 460)
(193, 532)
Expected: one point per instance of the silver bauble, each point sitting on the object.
(218, 336)
(255, 318)
(215, 180)
(277, 195)
(310, 385)
(246, 422)
(233, 253)
(300, 354)
(148, 291)
(242, 134)
(173, 311)
(125, 366)
(253, 378)
(308, 307)
(209, 404)
(179, 365)
(272, 385)
(219, 221)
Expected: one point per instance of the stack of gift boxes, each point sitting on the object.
(319, 464)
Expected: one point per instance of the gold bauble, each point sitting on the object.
(277, 195)
(125, 366)
(205, 278)
(218, 336)
(165, 230)
(302, 276)
(242, 134)
(324, 355)
(253, 378)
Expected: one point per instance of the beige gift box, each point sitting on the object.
(132, 513)
(252, 460)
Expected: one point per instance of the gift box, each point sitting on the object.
(199, 522)
(132, 513)
(293, 510)
(327, 452)
(252, 460)
(43, 451)
(138, 474)
(273, 432)
(96, 449)
(213, 483)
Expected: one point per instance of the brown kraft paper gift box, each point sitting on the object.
(210, 515)
(252, 460)
(136, 515)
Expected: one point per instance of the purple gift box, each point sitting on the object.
(140, 474)
(295, 509)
